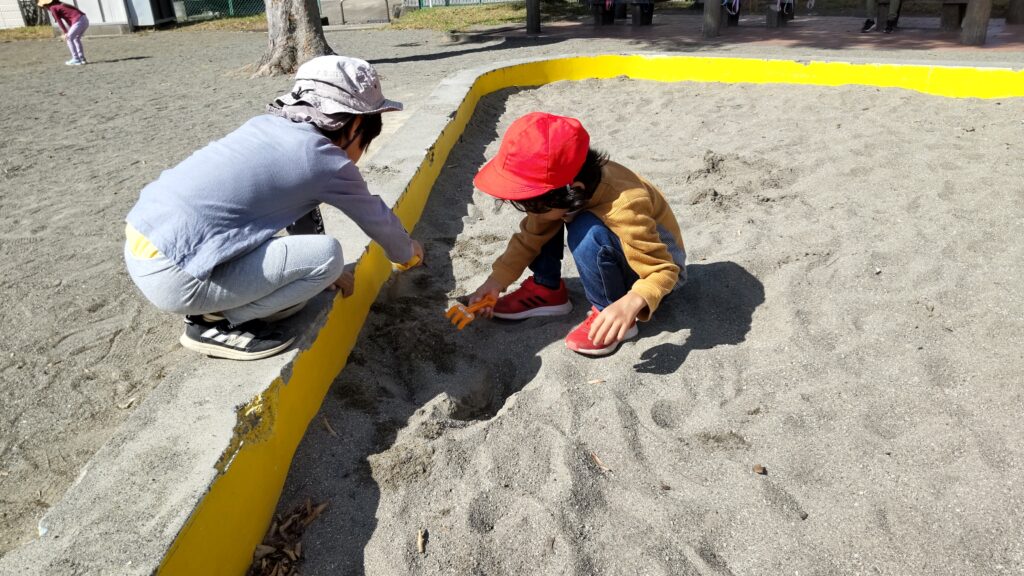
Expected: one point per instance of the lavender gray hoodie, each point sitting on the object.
(236, 193)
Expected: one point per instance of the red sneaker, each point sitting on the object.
(532, 299)
(578, 340)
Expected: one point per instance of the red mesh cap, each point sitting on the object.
(539, 152)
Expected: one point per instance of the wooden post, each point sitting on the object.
(975, 26)
(952, 16)
(713, 17)
(1015, 12)
(533, 16)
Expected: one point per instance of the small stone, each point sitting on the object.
(878, 271)
(758, 469)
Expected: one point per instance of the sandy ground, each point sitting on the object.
(853, 323)
(82, 348)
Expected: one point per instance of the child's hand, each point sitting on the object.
(345, 283)
(416, 260)
(417, 253)
(490, 287)
(613, 322)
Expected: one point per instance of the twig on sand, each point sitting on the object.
(281, 551)
(126, 404)
(421, 540)
(596, 381)
(328, 426)
(600, 465)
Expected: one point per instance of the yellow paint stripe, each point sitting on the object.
(224, 529)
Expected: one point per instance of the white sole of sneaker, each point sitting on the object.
(286, 313)
(221, 352)
(630, 334)
(560, 310)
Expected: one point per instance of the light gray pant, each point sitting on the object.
(280, 273)
(74, 37)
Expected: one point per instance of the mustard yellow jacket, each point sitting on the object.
(635, 211)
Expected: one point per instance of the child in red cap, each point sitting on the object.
(619, 228)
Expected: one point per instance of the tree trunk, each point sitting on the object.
(712, 18)
(533, 16)
(295, 36)
(975, 26)
(1015, 12)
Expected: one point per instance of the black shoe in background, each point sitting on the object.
(868, 26)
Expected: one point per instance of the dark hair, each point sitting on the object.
(568, 197)
(369, 129)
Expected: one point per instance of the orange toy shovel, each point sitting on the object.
(461, 315)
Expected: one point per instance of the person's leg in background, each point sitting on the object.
(894, 16)
(74, 39)
(869, 24)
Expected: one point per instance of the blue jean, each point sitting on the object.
(280, 273)
(604, 272)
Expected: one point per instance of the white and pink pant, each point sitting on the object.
(74, 37)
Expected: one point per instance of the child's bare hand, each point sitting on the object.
(345, 283)
(417, 251)
(613, 322)
(416, 260)
(490, 287)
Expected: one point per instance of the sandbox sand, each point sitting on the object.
(853, 324)
(81, 349)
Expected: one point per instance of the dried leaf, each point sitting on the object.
(127, 403)
(316, 511)
(262, 550)
(280, 554)
(287, 523)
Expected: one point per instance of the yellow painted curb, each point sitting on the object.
(232, 518)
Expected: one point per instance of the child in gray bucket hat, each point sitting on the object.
(202, 240)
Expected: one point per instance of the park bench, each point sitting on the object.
(642, 11)
(773, 18)
(950, 18)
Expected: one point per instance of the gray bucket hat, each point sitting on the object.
(339, 84)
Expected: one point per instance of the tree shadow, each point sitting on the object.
(483, 43)
(115, 60)
(716, 304)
